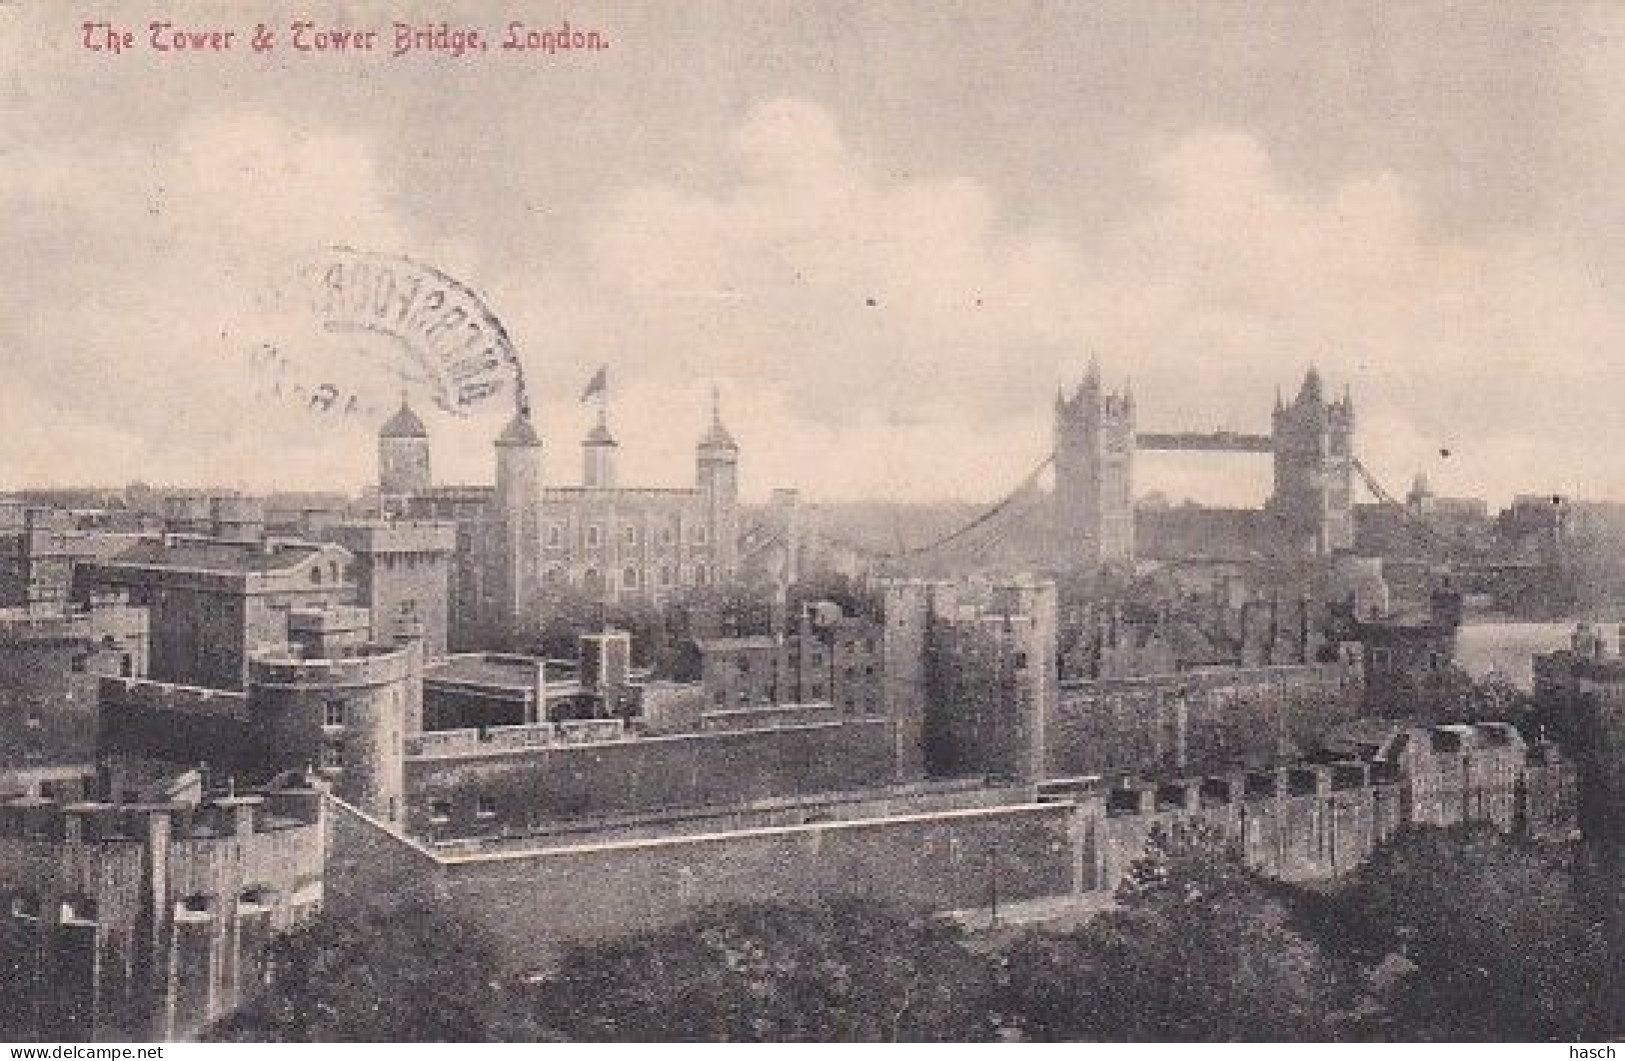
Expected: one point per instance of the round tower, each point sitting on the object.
(403, 454)
(717, 476)
(345, 716)
(518, 516)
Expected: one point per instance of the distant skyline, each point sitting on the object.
(887, 232)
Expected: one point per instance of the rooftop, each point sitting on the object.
(493, 671)
(203, 554)
(519, 432)
(404, 424)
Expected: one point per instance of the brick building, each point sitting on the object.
(213, 603)
(51, 659)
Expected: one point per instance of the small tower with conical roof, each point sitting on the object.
(517, 519)
(403, 458)
(598, 451)
(716, 461)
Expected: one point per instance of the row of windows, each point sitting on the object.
(631, 577)
(629, 535)
(440, 809)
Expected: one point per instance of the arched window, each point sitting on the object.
(629, 578)
(315, 576)
(665, 575)
(702, 577)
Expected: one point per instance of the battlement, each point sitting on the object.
(361, 665)
(1194, 794)
(140, 694)
(34, 818)
(162, 910)
(1397, 763)
(455, 742)
(396, 536)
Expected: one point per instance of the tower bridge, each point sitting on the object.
(1311, 441)
(1091, 512)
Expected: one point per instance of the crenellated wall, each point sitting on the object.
(137, 921)
(974, 849)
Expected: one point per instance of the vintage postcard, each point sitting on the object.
(812, 521)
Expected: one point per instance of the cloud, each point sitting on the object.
(144, 272)
(905, 336)
(875, 332)
(1232, 281)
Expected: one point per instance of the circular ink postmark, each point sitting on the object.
(348, 332)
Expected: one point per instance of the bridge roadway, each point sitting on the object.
(1206, 441)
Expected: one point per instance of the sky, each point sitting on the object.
(885, 232)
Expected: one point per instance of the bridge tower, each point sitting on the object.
(1314, 469)
(1094, 477)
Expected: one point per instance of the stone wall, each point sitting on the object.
(1310, 823)
(945, 848)
(517, 789)
(534, 901)
(181, 724)
(148, 920)
(1198, 719)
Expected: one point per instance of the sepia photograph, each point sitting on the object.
(812, 521)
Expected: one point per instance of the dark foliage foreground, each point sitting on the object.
(1446, 935)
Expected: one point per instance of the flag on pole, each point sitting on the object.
(597, 385)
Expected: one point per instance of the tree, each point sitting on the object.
(1503, 943)
(846, 971)
(408, 973)
(1199, 951)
